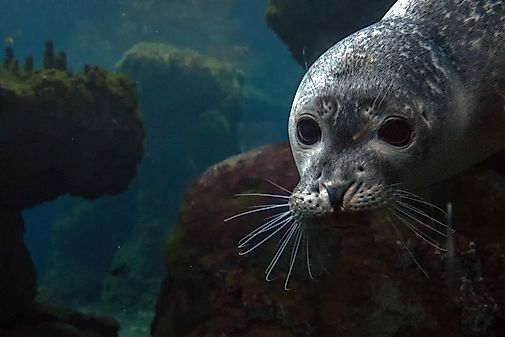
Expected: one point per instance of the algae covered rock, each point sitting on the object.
(312, 26)
(64, 133)
(365, 282)
(60, 133)
(100, 226)
(191, 104)
(198, 99)
(17, 273)
(52, 320)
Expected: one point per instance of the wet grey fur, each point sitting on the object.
(440, 64)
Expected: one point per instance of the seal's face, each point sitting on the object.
(353, 146)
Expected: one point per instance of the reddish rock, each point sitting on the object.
(365, 284)
(60, 133)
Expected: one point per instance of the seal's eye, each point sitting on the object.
(396, 131)
(308, 131)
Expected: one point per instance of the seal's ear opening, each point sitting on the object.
(496, 162)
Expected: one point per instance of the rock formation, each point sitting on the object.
(309, 27)
(366, 283)
(60, 134)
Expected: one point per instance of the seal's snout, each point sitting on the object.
(336, 193)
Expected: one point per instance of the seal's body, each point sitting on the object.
(410, 100)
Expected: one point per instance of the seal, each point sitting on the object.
(406, 102)
(411, 100)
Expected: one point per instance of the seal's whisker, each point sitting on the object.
(272, 224)
(263, 228)
(281, 246)
(425, 237)
(418, 231)
(294, 253)
(404, 245)
(268, 195)
(279, 186)
(394, 185)
(421, 201)
(416, 197)
(254, 211)
(280, 226)
(307, 252)
(389, 87)
(268, 205)
(423, 214)
(405, 213)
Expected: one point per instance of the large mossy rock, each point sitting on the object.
(64, 133)
(309, 27)
(17, 273)
(60, 134)
(193, 99)
(191, 105)
(99, 226)
(366, 284)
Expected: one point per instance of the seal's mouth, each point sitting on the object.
(349, 194)
(301, 212)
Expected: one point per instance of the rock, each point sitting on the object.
(60, 133)
(198, 102)
(17, 273)
(312, 26)
(366, 283)
(52, 320)
(191, 104)
(103, 225)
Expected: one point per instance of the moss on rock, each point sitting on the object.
(60, 133)
(64, 133)
(192, 96)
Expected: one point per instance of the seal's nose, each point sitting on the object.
(336, 194)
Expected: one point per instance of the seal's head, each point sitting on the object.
(368, 118)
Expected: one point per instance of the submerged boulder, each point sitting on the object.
(191, 104)
(366, 283)
(64, 133)
(60, 133)
(194, 100)
(309, 27)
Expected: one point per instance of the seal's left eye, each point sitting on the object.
(308, 131)
(396, 131)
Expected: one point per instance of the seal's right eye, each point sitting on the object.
(396, 131)
(308, 131)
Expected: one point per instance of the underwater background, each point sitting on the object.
(114, 115)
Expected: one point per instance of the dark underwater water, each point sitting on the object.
(99, 32)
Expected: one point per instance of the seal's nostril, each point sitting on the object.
(336, 193)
